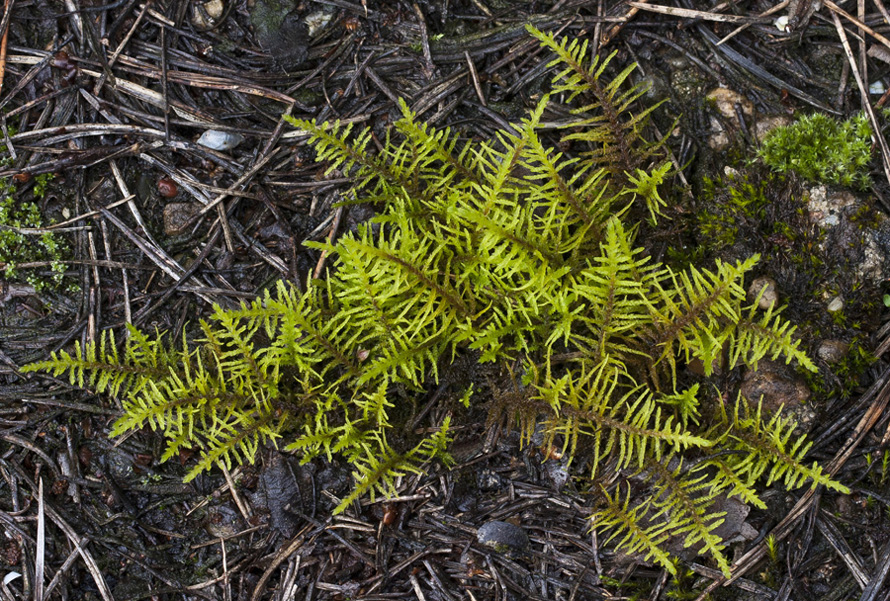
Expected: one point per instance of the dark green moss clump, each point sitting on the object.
(741, 201)
(822, 149)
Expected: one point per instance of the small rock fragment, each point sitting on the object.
(765, 289)
(836, 304)
(557, 471)
(167, 187)
(826, 208)
(503, 537)
(177, 216)
(207, 15)
(219, 140)
(774, 385)
(318, 21)
(223, 522)
(726, 101)
(488, 479)
(833, 351)
(768, 123)
(855, 234)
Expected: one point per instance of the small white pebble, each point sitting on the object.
(836, 304)
(877, 88)
(219, 140)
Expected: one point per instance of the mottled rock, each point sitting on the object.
(765, 289)
(206, 15)
(728, 103)
(177, 216)
(726, 100)
(487, 479)
(503, 537)
(775, 385)
(317, 21)
(768, 123)
(832, 351)
(826, 208)
(856, 234)
(280, 29)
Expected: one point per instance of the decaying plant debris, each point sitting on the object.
(116, 101)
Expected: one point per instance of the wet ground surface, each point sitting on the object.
(178, 185)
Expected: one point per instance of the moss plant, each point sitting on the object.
(822, 149)
(21, 238)
(504, 252)
(736, 200)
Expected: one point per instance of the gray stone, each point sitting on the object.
(503, 537)
(853, 234)
(219, 140)
(832, 351)
(826, 208)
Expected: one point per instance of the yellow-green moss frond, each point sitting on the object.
(436, 156)
(510, 252)
(686, 404)
(724, 479)
(335, 144)
(699, 312)
(102, 367)
(377, 466)
(684, 501)
(615, 291)
(765, 336)
(771, 449)
(628, 525)
(625, 427)
(645, 184)
(605, 121)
